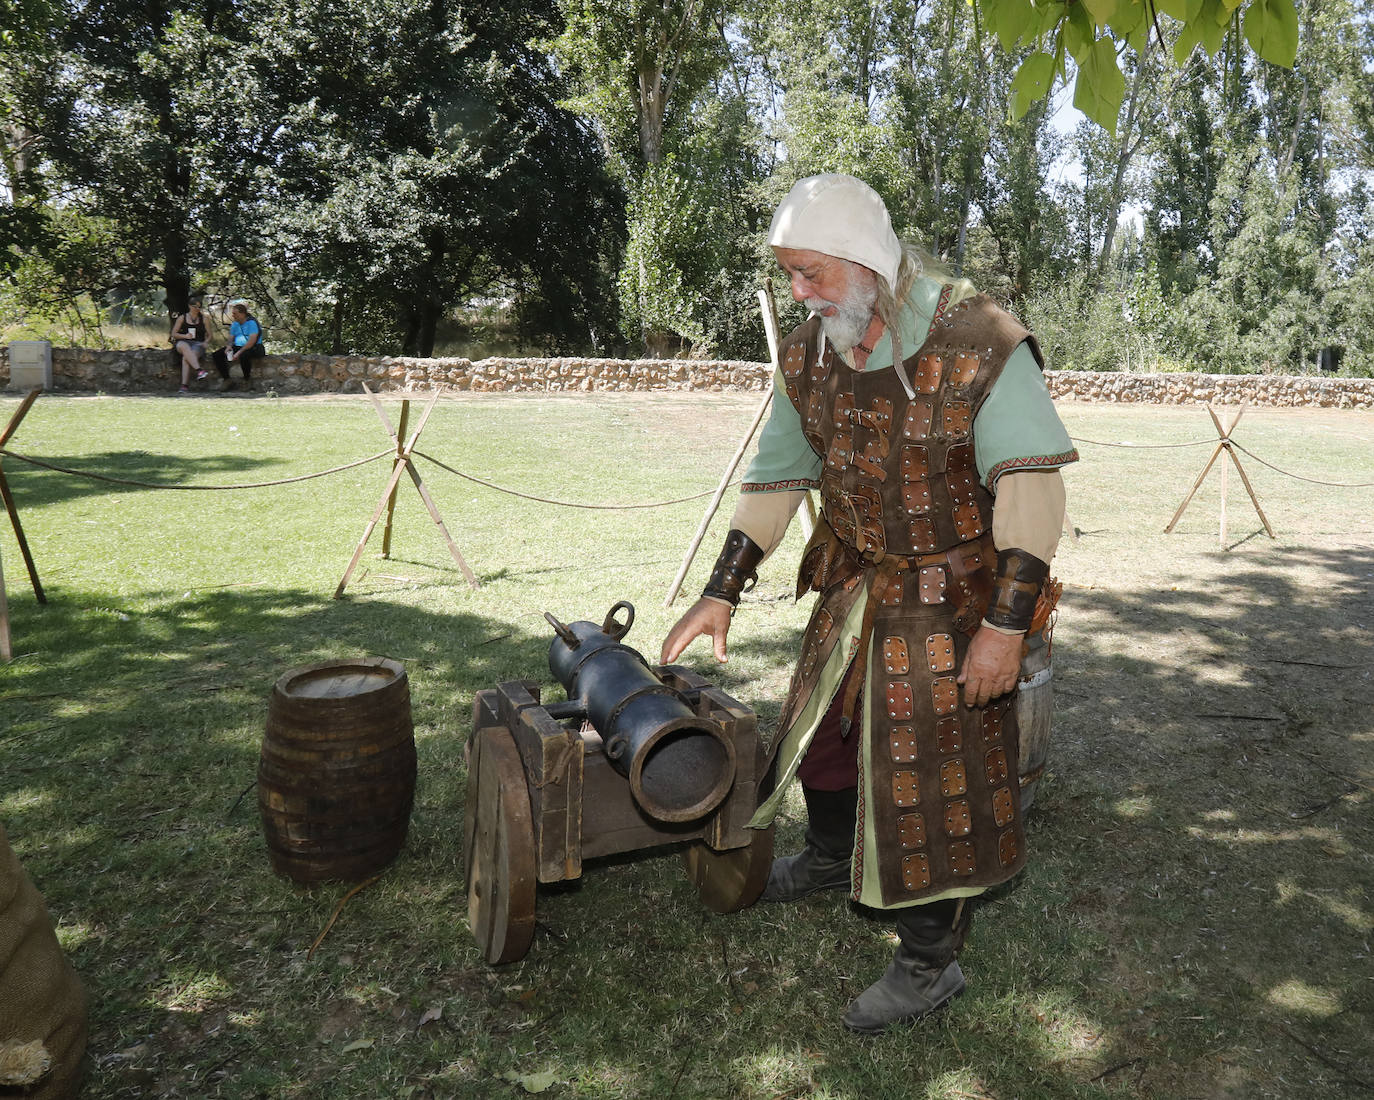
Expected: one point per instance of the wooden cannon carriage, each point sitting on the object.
(638, 757)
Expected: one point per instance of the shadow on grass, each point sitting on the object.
(159, 471)
(1193, 921)
(1209, 824)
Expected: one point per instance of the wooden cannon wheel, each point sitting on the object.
(731, 880)
(499, 849)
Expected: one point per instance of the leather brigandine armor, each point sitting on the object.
(905, 515)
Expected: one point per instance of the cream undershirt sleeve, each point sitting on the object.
(1028, 514)
(764, 516)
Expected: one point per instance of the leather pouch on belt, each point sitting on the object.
(1044, 605)
(824, 561)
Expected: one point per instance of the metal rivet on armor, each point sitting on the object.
(958, 820)
(953, 778)
(902, 744)
(916, 871)
(944, 694)
(911, 830)
(962, 860)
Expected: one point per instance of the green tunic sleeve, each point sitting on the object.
(1017, 427)
(785, 460)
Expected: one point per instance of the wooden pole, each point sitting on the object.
(763, 408)
(10, 507)
(1221, 512)
(768, 306)
(5, 652)
(1224, 445)
(391, 500)
(403, 464)
(770, 328)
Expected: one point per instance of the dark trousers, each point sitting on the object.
(832, 760)
(245, 360)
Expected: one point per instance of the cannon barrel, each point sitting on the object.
(680, 765)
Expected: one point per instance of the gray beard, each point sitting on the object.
(854, 315)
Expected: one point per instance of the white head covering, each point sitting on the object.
(838, 216)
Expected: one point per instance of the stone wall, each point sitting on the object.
(150, 370)
(144, 370)
(1214, 389)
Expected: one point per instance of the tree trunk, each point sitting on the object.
(422, 320)
(336, 328)
(1126, 150)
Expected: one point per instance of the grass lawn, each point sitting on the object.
(1195, 921)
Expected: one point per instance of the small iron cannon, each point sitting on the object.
(680, 764)
(636, 757)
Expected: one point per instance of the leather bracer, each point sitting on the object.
(1015, 587)
(736, 569)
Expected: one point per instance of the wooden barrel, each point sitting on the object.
(337, 774)
(1034, 711)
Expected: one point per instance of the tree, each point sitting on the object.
(419, 157)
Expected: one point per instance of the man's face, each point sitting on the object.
(239, 314)
(842, 293)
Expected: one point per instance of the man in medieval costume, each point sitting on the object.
(919, 410)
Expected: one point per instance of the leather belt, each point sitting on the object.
(886, 569)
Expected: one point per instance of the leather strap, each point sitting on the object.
(887, 569)
(736, 570)
(1015, 587)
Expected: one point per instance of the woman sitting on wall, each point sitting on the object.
(245, 345)
(189, 334)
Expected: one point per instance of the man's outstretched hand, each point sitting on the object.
(706, 616)
(991, 666)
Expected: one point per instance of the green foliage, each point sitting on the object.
(668, 259)
(1094, 34)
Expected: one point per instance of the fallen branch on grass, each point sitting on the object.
(337, 910)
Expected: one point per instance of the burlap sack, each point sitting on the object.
(41, 998)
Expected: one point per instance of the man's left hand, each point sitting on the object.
(991, 666)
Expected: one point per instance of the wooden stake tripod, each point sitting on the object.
(5, 650)
(1224, 433)
(402, 463)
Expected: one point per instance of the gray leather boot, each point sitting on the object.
(823, 864)
(923, 975)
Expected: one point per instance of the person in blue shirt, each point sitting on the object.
(245, 345)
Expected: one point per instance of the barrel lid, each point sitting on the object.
(345, 679)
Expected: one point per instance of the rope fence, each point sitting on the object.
(1144, 446)
(91, 476)
(213, 488)
(563, 503)
(1237, 446)
(1299, 477)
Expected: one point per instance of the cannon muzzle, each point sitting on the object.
(680, 765)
